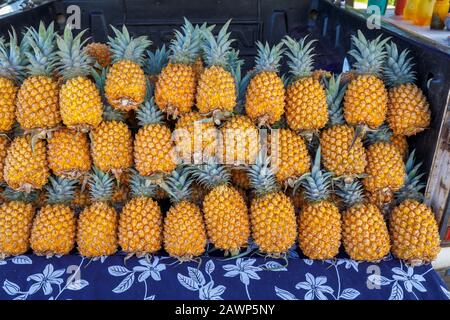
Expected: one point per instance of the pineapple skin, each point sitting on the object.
(385, 168)
(306, 105)
(125, 86)
(381, 198)
(81, 104)
(414, 232)
(16, 219)
(240, 179)
(364, 233)
(408, 110)
(320, 228)
(8, 92)
(198, 67)
(273, 221)
(292, 158)
(97, 230)
(216, 90)
(184, 231)
(37, 103)
(240, 141)
(4, 144)
(141, 226)
(25, 168)
(54, 230)
(112, 146)
(337, 156)
(401, 143)
(68, 153)
(100, 52)
(365, 101)
(226, 218)
(81, 199)
(175, 89)
(153, 148)
(265, 98)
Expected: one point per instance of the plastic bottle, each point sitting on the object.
(410, 9)
(382, 4)
(424, 12)
(399, 7)
(440, 13)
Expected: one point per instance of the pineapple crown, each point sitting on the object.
(14, 195)
(216, 49)
(141, 186)
(211, 174)
(185, 47)
(350, 192)
(261, 176)
(177, 184)
(241, 82)
(199, 33)
(398, 69)
(41, 54)
(101, 185)
(149, 113)
(125, 47)
(412, 189)
(234, 63)
(12, 57)
(157, 60)
(74, 61)
(382, 134)
(60, 190)
(268, 59)
(300, 56)
(100, 79)
(316, 183)
(335, 93)
(369, 55)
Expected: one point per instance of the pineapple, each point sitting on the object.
(364, 232)
(54, 228)
(306, 103)
(37, 98)
(16, 218)
(97, 224)
(184, 229)
(413, 228)
(365, 101)
(12, 71)
(401, 143)
(175, 89)
(4, 144)
(216, 88)
(80, 101)
(408, 110)
(26, 166)
(343, 152)
(156, 61)
(265, 97)
(141, 220)
(81, 198)
(153, 145)
(239, 177)
(273, 222)
(319, 222)
(226, 213)
(100, 53)
(68, 154)
(125, 87)
(385, 133)
(290, 155)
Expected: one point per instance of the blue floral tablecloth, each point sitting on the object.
(215, 278)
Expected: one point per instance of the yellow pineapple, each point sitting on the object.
(141, 220)
(401, 143)
(306, 103)
(4, 144)
(54, 228)
(273, 221)
(184, 229)
(364, 232)
(408, 110)
(97, 224)
(365, 101)
(26, 166)
(100, 52)
(79, 99)
(125, 86)
(68, 153)
(81, 198)
(265, 97)
(176, 86)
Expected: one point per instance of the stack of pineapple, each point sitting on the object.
(94, 138)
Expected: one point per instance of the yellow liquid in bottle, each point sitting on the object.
(441, 9)
(424, 12)
(410, 9)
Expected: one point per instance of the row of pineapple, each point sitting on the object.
(44, 82)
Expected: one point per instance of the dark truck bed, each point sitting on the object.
(270, 20)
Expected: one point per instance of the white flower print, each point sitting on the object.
(410, 280)
(46, 279)
(315, 287)
(245, 269)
